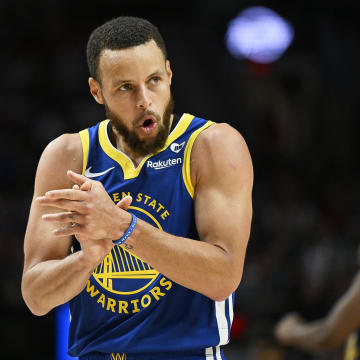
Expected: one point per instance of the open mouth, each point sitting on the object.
(148, 125)
(147, 122)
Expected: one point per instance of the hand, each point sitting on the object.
(124, 203)
(89, 214)
(286, 327)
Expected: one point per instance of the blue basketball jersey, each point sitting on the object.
(129, 309)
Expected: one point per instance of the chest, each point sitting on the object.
(158, 191)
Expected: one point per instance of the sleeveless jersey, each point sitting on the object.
(128, 307)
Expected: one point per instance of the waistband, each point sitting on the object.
(212, 353)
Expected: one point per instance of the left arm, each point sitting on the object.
(222, 175)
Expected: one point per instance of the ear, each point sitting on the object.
(168, 70)
(95, 90)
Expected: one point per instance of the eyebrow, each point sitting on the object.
(157, 72)
(120, 81)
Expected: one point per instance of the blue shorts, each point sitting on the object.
(214, 354)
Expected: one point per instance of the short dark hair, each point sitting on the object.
(120, 33)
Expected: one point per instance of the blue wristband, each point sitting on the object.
(128, 232)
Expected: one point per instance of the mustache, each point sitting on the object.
(144, 115)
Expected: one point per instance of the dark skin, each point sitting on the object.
(327, 333)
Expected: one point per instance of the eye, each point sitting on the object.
(155, 79)
(125, 87)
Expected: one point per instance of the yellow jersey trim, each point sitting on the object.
(84, 136)
(130, 171)
(187, 157)
(148, 214)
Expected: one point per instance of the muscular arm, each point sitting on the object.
(51, 276)
(222, 175)
(328, 332)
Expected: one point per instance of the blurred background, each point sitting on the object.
(299, 115)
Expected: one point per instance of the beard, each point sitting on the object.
(138, 146)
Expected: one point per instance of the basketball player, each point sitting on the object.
(141, 221)
(327, 333)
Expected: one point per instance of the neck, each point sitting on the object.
(122, 146)
(119, 142)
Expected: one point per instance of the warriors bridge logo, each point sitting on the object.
(133, 283)
(118, 270)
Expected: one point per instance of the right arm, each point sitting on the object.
(51, 275)
(328, 332)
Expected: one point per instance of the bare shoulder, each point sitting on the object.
(66, 148)
(62, 154)
(219, 132)
(219, 150)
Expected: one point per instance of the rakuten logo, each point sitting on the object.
(157, 165)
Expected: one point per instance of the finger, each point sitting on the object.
(76, 178)
(68, 205)
(76, 187)
(86, 186)
(125, 202)
(69, 194)
(64, 217)
(71, 229)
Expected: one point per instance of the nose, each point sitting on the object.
(143, 98)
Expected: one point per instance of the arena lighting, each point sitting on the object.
(258, 34)
(62, 322)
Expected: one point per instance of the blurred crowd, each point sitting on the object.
(299, 116)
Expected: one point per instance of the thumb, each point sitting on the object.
(86, 186)
(76, 178)
(125, 202)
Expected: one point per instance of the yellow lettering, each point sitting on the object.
(157, 292)
(136, 308)
(167, 284)
(116, 197)
(111, 304)
(153, 204)
(139, 197)
(91, 289)
(143, 304)
(160, 207)
(118, 356)
(147, 198)
(165, 214)
(123, 306)
(123, 194)
(101, 300)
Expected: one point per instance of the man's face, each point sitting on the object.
(135, 90)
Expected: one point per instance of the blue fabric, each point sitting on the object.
(153, 356)
(127, 306)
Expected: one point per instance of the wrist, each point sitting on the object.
(127, 232)
(89, 261)
(124, 219)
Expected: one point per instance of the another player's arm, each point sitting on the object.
(222, 175)
(328, 332)
(51, 276)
